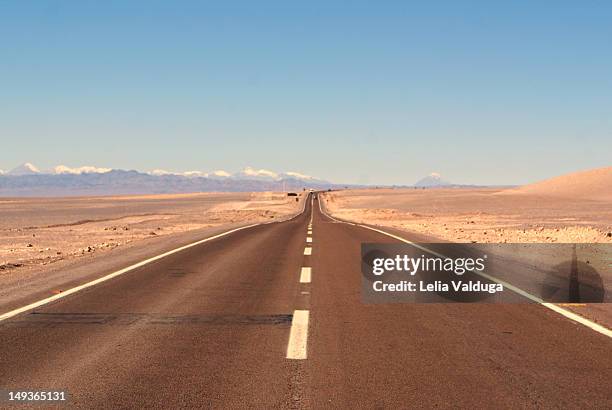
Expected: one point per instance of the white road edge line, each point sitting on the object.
(305, 275)
(564, 312)
(76, 289)
(298, 336)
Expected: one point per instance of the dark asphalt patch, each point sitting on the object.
(45, 320)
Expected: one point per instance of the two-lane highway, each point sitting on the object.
(266, 317)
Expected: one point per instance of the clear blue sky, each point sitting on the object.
(355, 91)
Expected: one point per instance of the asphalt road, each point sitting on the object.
(229, 324)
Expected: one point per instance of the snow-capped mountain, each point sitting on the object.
(160, 172)
(246, 174)
(219, 174)
(62, 169)
(256, 174)
(30, 169)
(193, 174)
(432, 180)
(297, 175)
(24, 169)
(266, 175)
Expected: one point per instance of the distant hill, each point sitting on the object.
(432, 180)
(593, 184)
(27, 180)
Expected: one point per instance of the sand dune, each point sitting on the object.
(595, 184)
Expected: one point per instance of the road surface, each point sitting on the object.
(263, 317)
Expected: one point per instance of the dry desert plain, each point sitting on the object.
(42, 234)
(575, 208)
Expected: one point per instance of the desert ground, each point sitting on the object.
(575, 208)
(39, 232)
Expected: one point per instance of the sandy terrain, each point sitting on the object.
(593, 184)
(575, 208)
(568, 209)
(37, 232)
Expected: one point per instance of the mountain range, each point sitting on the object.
(28, 180)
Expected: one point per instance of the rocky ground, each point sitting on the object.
(38, 232)
(478, 215)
